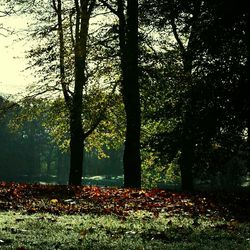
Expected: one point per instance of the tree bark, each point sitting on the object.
(128, 36)
(186, 160)
(248, 84)
(82, 9)
(76, 149)
(186, 163)
(76, 128)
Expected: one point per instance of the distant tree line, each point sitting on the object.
(29, 154)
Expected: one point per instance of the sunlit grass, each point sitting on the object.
(139, 231)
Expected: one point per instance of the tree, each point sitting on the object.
(127, 14)
(248, 81)
(71, 21)
(72, 46)
(128, 36)
(181, 21)
(204, 108)
(83, 10)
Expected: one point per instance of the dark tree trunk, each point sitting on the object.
(76, 128)
(186, 164)
(74, 104)
(131, 156)
(81, 11)
(76, 149)
(128, 34)
(186, 160)
(248, 84)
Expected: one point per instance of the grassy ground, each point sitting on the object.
(34, 217)
(140, 230)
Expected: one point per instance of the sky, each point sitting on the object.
(13, 77)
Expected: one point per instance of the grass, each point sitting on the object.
(141, 230)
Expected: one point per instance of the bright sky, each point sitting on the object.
(13, 78)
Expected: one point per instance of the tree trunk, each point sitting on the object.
(186, 164)
(76, 149)
(74, 104)
(128, 35)
(248, 85)
(76, 128)
(186, 160)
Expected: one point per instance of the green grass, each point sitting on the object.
(139, 231)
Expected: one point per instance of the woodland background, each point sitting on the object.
(152, 94)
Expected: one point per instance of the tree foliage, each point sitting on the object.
(204, 88)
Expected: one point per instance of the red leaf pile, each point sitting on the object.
(63, 199)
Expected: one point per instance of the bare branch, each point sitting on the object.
(101, 115)
(54, 6)
(108, 6)
(91, 7)
(176, 35)
(77, 25)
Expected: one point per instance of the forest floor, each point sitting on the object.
(89, 217)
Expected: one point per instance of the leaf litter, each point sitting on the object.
(65, 199)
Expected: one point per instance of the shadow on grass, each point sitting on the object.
(139, 231)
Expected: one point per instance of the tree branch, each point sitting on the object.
(54, 6)
(91, 7)
(108, 6)
(176, 35)
(72, 12)
(101, 115)
(78, 14)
